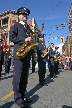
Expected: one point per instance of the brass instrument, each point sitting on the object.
(27, 46)
(57, 58)
(24, 52)
(46, 52)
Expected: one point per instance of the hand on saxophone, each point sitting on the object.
(28, 39)
(10, 57)
(48, 49)
(54, 56)
(43, 52)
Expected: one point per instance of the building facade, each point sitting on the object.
(67, 47)
(70, 27)
(66, 50)
(6, 19)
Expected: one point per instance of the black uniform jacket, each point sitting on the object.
(51, 56)
(41, 47)
(17, 35)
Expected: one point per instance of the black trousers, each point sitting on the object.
(0, 68)
(33, 66)
(56, 67)
(41, 71)
(51, 69)
(20, 78)
(7, 66)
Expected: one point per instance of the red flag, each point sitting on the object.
(6, 47)
(43, 26)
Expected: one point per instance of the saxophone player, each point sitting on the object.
(56, 63)
(51, 61)
(41, 61)
(18, 35)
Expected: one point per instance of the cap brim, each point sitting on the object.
(56, 47)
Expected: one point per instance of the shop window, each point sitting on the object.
(13, 21)
(4, 21)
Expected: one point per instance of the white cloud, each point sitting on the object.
(60, 47)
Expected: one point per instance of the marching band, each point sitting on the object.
(41, 54)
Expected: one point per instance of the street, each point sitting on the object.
(58, 93)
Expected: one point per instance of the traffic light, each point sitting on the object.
(62, 39)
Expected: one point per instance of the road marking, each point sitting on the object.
(11, 93)
(34, 77)
(7, 96)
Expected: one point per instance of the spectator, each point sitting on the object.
(70, 64)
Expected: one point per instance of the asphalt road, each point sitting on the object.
(58, 93)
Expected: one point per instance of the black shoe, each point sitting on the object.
(7, 72)
(21, 103)
(55, 76)
(58, 73)
(45, 83)
(27, 100)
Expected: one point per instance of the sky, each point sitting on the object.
(41, 8)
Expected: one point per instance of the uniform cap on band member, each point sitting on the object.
(56, 47)
(23, 10)
(41, 35)
(51, 43)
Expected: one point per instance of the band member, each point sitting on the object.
(7, 60)
(51, 61)
(56, 63)
(48, 60)
(41, 61)
(18, 35)
(1, 58)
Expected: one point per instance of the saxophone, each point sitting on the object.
(46, 52)
(57, 57)
(27, 46)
